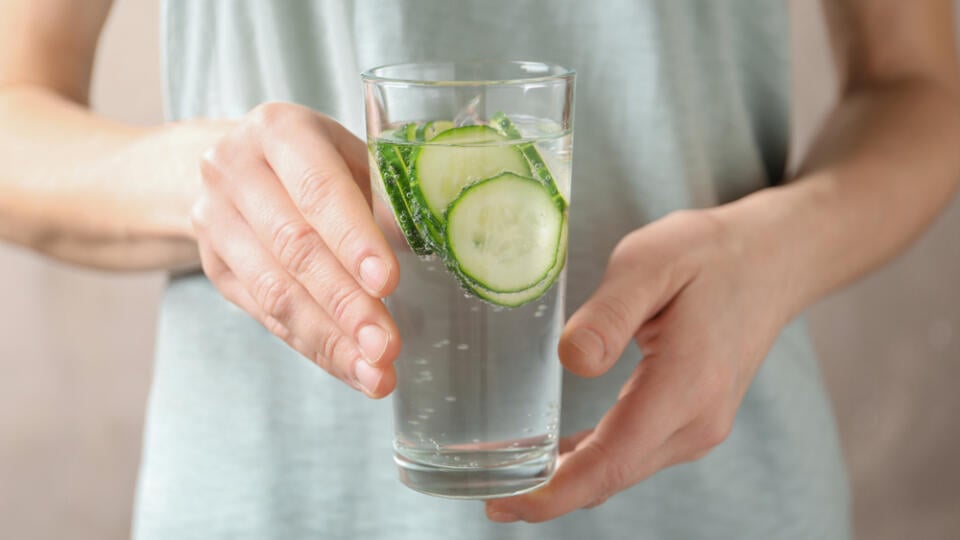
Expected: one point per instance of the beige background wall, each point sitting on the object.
(75, 352)
(75, 347)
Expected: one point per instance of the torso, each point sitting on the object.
(680, 104)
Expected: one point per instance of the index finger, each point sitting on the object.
(317, 170)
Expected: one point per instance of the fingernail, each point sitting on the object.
(503, 517)
(588, 343)
(374, 273)
(373, 341)
(367, 376)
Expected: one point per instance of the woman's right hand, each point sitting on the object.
(285, 231)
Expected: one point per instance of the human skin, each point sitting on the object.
(275, 207)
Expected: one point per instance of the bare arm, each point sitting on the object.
(74, 185)
(278, 211)
(718, 285)
(885, 162)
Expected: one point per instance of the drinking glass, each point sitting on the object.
(471, 169)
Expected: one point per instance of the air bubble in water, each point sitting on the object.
(420, 361)
(450, 399)
(462, 347)
(423, 376)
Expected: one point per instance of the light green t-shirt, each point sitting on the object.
(680, 103)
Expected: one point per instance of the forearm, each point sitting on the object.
(883, 167)
(90, 191)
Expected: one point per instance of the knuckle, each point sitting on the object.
(322, 361)
(348, 236)
(706, 225)
(209, 165)
(681, 214)
(276, 328)
(715, 431)
(295, 246)
(343, 300)
(325, 120)
(614, 474)
(705, 220)
(614, 311)
(624, 246)
(270, 114)
(215, 162)
(275, 295)
(315, 190)
(331, 344)
(200, 214)
(616, 477)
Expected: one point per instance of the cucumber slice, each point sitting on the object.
(429, 227)
(406, 132)
(432, 129)
(429, 130)
(456, 158)
(426, 130)
(503, 233)
(538, 167)
(420, 134)
(410, 132)
(516, 299)
(393, 176)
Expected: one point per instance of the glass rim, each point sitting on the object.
(555, 72)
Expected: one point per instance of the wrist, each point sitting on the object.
(777, 233)
(177, 148)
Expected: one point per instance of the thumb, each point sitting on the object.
(596, 335)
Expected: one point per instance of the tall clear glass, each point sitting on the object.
(471, 169)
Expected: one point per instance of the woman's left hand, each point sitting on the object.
(705, 306)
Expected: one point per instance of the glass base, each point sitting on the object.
(476, 482)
